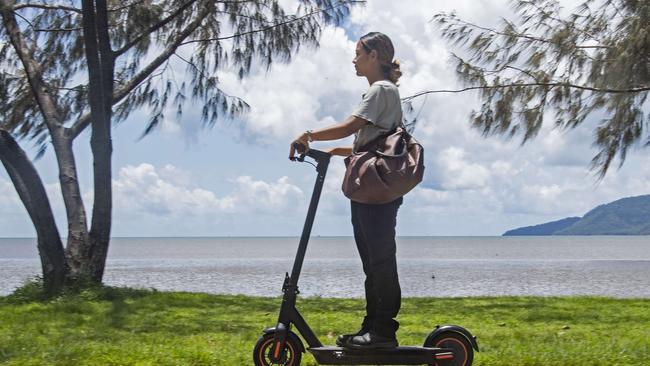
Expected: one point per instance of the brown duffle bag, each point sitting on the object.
(387, 169)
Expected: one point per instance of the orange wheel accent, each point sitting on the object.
(441, 342)
(276, 354)
(267, 345)
(262, 353)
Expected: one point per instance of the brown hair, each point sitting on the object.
(385, 51)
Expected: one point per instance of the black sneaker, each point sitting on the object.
(371, 340)
(343, 339)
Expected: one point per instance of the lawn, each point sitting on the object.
(116, 326)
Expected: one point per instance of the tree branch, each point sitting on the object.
(46, 7)
(241, 16)
(516, 85)
(520, 35)
(46, 29)
(200, 73)
(275, 25)
(140, 1)
(32, 68)
(152, 29)
(81, 123)
(119, 8)
(58, 29)
(122, 92)
(503, 68)
(565, 22)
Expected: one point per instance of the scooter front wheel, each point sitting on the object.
(264, 347)
(463, 354)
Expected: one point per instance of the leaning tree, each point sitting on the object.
(595, 61)
(71, 65)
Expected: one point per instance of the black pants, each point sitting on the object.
(374, 233)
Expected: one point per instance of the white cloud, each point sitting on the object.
(10, 201)
(457, 173)
(259, 196)
(427, 198)
(315, 89)
(143, 189)
(503, 169)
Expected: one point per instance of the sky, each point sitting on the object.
(235, 179)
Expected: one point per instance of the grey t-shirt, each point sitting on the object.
(381, 106)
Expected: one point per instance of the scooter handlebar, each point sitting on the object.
(312, 153)
(302, 151)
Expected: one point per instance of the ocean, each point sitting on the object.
(617, 266)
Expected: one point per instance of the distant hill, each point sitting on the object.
(627, 216)
(543, 229)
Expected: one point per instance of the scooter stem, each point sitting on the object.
(322, 159)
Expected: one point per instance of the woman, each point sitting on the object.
(378, 113)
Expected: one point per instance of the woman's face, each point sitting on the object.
(363, 61)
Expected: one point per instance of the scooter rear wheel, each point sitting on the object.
(264, 347)
(462, 349)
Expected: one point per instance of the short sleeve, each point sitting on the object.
(371, 105)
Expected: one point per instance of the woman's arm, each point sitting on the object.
(340, 151)
(346, 128)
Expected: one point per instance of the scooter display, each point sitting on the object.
(447, 345)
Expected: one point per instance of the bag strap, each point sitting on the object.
(404, 143)
(372, 145)
(393, 156)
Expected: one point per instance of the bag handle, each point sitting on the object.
(392, 156)
(404, 152)
(404, 131)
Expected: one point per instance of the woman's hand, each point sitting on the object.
(302, 139)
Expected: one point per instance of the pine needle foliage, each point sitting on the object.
(595, 61)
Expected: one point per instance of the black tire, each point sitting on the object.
(462, 348)
(264, 345)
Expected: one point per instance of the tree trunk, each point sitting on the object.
(101, 71)
(78, 244)
(30, 188)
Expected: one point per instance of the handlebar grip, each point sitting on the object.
(301, 149)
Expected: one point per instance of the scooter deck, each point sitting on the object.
(407, 355)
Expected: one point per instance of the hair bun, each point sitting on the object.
(395, 63)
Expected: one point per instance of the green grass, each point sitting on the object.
(112, 326)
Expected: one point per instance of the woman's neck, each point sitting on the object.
(376, 76)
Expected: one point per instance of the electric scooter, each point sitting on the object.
(447, 345)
